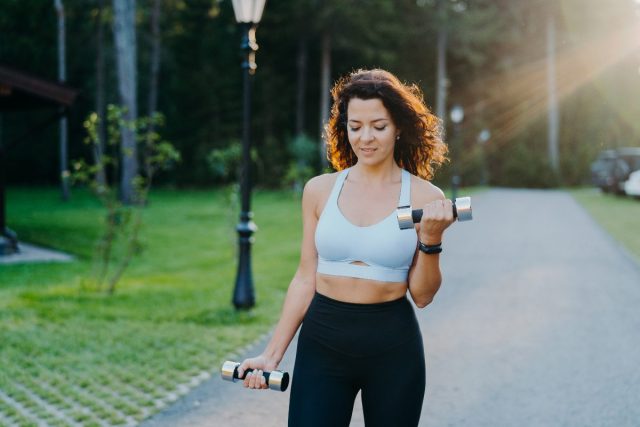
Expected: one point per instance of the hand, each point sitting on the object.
(259, 364)
(436, 217)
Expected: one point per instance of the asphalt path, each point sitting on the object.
(537, 323)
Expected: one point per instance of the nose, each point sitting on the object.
(367, 134)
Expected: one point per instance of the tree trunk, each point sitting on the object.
(441, 83)
(62, 77)
(553, 119)
(325, 77)
(125, 43)
(301, 65)
(155, 65)
(98, 149)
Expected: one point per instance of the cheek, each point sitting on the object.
(390, 138)
(352, 137)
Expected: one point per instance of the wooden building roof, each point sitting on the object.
(22, 91)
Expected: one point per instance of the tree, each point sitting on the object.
(441, 62)
(154, 63)
(62, 77)
(99, 146)
(124, 31)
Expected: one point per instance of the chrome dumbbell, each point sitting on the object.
(461, 211)
(276, 380)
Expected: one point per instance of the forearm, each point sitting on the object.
(425, 279)
(295, 306)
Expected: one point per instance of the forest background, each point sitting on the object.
(496, 56)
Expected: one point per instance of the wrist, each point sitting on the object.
(271, 358)
(430, 240)
(430, 249)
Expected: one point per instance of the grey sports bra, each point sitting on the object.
(386, 250)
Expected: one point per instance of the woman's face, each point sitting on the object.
(372, 133)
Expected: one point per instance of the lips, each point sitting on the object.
(368, 150)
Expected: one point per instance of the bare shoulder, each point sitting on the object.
(321, 183)
(317, 190)
(423, 191)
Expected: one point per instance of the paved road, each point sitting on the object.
(537, 324)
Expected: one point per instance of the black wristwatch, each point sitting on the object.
(430, 249)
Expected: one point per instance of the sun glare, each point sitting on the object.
(520, 96)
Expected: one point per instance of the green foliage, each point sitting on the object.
(225, 163)
(201, 78)
(304, 152)
(119, 240)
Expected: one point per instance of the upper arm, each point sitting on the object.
(311, 196)
(425, 192)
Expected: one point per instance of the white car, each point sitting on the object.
(632, 185)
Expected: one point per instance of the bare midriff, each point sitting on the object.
(360, 291)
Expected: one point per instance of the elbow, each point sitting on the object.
(424, 297)
(423, 302)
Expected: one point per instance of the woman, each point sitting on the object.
(359, 331)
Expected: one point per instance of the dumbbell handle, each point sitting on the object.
(461, 211)
(416, 214)
(276, 380)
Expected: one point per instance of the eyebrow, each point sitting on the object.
(373, 121)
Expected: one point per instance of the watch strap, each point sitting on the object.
(430, 249)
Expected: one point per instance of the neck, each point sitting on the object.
(376, 174)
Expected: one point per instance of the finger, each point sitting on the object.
(443, 214)
(243, 366)
(260, 380)
(448, 210)
(436, 211)
(439, 210)
(246, 380)
(252, 379)
(256, 379)
(263, 382)
(426, 212)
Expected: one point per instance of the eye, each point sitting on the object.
(352, 129)
(381, 128)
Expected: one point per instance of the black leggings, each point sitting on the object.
(346, 347)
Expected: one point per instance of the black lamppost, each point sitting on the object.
(456, 115)
(248, 14)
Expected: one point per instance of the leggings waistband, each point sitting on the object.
(356, 306)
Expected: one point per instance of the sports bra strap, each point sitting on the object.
(405, 190)
(337, 187)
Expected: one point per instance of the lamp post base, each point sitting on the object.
(243, 292)
(8, 242)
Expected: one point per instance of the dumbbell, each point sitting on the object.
(461, 211)
(276, 380)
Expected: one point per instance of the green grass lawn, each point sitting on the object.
(620, 216)
(70, 354)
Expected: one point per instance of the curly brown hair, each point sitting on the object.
(420, 149)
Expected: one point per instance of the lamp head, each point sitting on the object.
(457, 114)
(248, 11)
